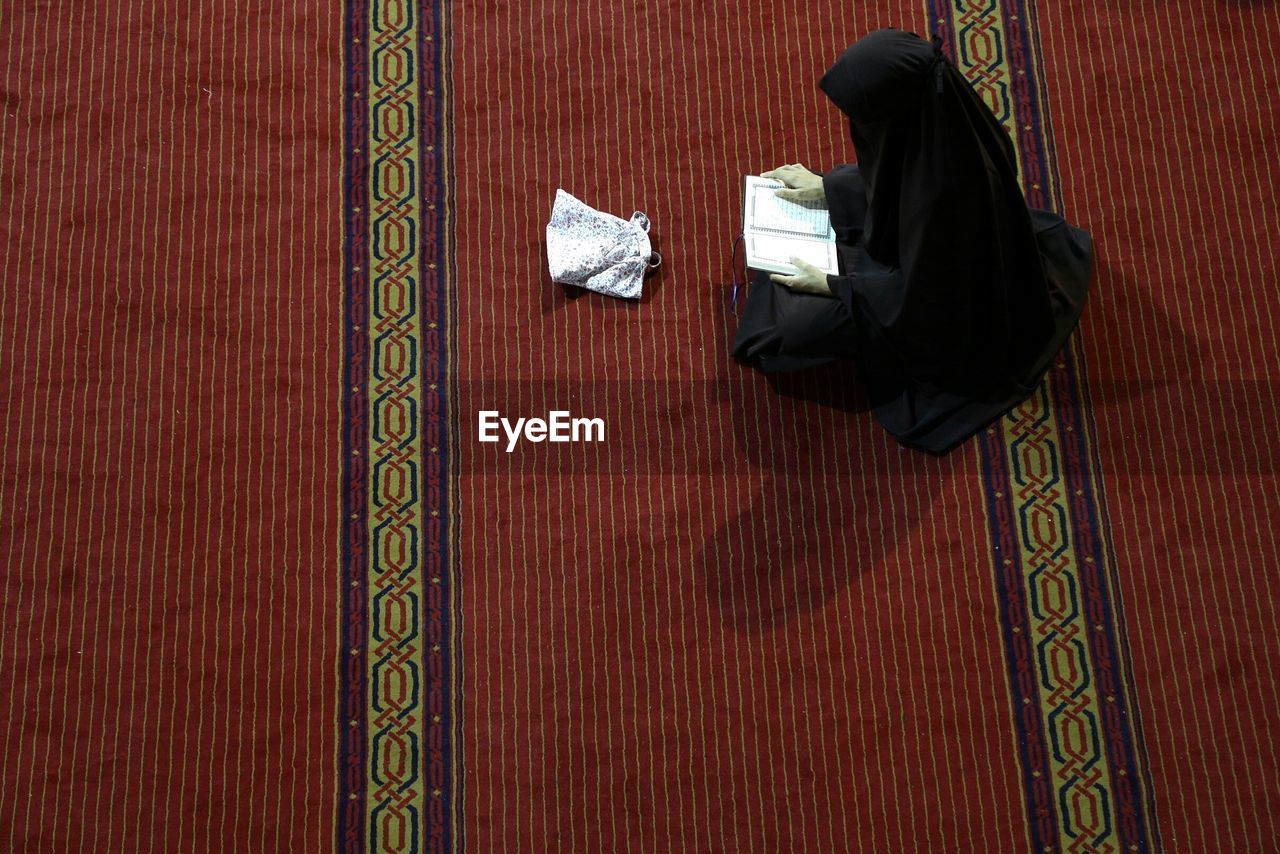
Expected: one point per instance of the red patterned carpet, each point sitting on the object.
(171, 211)
(265, 591)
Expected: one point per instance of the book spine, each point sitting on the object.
(780, 232)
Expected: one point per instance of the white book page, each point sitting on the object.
(764, 210)
(774, 253)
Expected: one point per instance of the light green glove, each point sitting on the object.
(802, 185)
(809, 279)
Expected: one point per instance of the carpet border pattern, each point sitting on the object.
(1085, 780)
(396, 765)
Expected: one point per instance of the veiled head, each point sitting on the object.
(878, 74)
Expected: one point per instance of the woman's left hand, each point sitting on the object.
(809, 279)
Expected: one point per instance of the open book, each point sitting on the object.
(775, 229)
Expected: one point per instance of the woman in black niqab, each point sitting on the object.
(954, 295)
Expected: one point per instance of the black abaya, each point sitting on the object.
(954, 296)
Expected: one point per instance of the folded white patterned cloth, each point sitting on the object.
(598, 251)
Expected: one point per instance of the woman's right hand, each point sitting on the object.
(801, 184)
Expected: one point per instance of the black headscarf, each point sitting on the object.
(947, 274)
